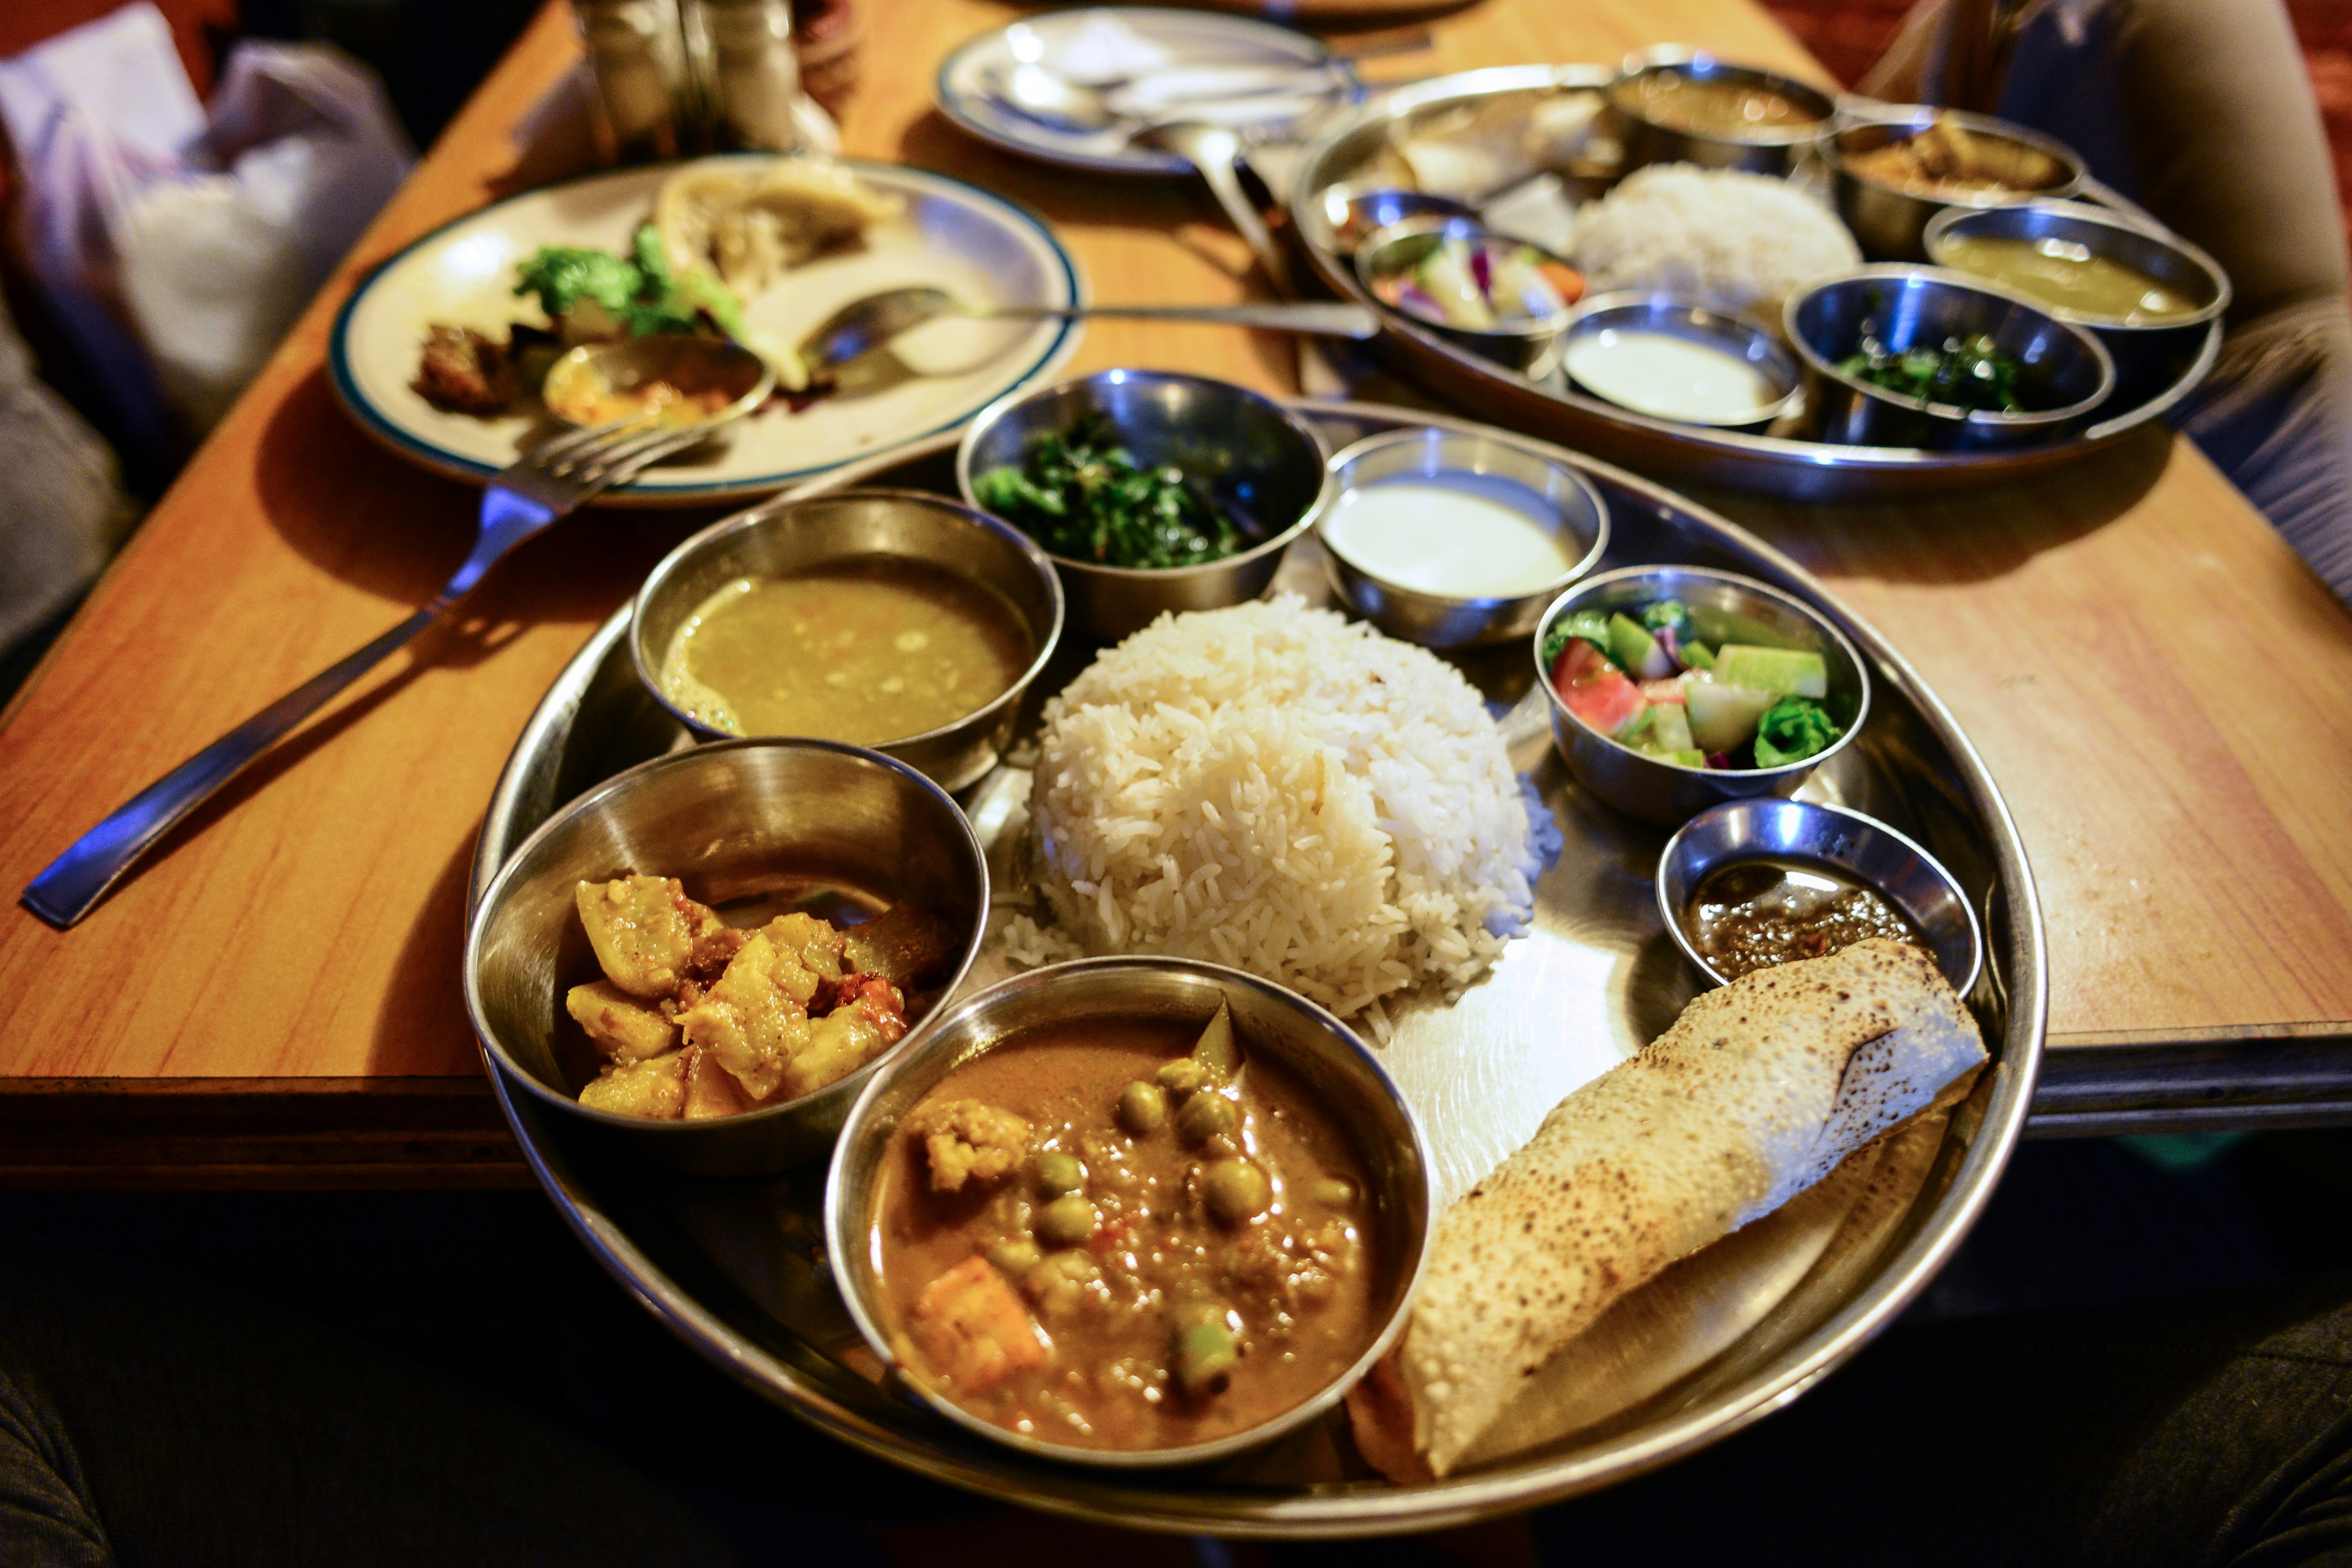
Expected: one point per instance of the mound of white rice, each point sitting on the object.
(1738, 241)
(1277, 789)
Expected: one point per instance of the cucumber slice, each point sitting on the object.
(1637, 651)
(1722, 717)
(1782, 671)
(1668, 730)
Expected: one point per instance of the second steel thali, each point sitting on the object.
(737, 1268)
(1361, 145)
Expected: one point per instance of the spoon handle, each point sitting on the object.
(1225, 185)
(1322, 320)
(78, 879)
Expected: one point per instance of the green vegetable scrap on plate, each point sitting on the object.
(1965, 373)
(1082, 496)
(640, 293)
(1646, 682)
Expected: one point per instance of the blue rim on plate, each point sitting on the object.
(957, 106)
(442, 461)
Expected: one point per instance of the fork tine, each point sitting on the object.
(611, 465)
(549, 453)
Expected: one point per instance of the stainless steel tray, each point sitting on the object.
(1798, 470)
(735, 1267)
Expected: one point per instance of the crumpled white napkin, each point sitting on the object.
(175, 245)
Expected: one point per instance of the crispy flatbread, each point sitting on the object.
(1757, 1093)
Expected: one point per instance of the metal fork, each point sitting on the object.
(553, 479)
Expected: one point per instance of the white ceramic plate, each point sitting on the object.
(1107, 44)
(953, 235)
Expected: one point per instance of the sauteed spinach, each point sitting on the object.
(1969, 372)
(1084, 497)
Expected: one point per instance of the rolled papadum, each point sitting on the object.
(1757, 1093)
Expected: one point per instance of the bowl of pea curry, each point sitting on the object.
(1131, 1211)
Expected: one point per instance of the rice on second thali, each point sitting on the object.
(1276, 788)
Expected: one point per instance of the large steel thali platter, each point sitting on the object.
(735, 1267)
(1359, 142)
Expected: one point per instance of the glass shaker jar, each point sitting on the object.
(742, 50)
(646, 95)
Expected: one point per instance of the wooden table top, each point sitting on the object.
(2163, 692)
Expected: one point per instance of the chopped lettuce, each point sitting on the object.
(1791, 730)
(1590, 625)
(1666, 614)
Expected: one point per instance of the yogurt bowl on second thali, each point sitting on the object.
(1675, 359)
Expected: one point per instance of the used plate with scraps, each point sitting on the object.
(948, 234)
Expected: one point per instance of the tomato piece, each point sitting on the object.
(1596, 690)
(1567, 280)
(1607, 702)
(1580, 660)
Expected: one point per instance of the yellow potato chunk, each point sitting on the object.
(974, 1330)
(968, 1141)
(710, 1090)
(624, 1029)
(655, 1089)
(754, 1019)
(868, 1018)
(643, 928)
(815, 942)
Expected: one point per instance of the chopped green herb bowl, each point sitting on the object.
(1150, 490)
(1723, 609)
(2058, 373)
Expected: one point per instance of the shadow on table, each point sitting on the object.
(1970, 536)
(383, 525)
(427, 982)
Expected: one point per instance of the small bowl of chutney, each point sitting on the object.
(883, 618)
(1752, 883)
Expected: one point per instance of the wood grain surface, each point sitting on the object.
(2163, 692)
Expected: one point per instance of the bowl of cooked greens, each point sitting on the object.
(1674, 688)
(1916, 357)
(1150, 491)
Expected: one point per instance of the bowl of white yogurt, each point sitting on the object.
(1450, 539)
(1675, 359)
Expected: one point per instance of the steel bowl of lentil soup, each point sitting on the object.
(885, 618)
(1131, 1211)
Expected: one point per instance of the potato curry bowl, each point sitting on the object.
(1131, 1211)
(707, 955)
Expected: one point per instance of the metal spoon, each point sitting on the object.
(1215, 152)
(593, 383)
(866, 326)
(1076, 109)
